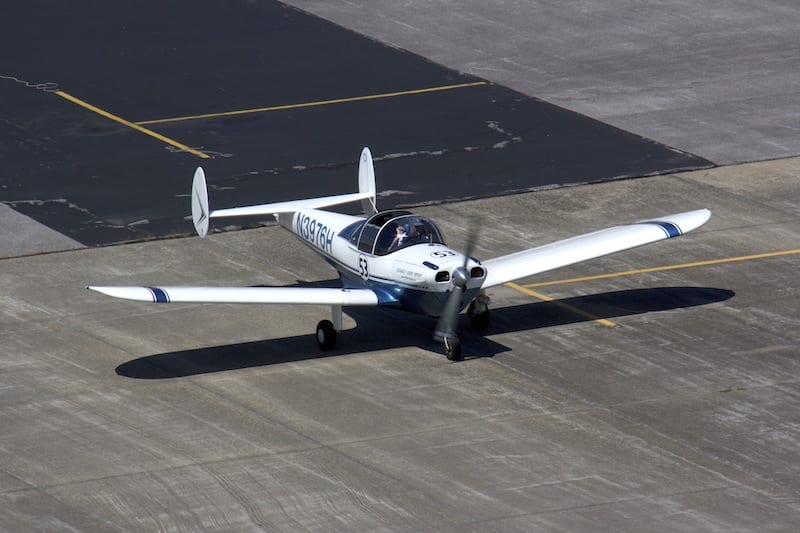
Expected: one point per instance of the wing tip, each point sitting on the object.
(138, 294)
(692, 220)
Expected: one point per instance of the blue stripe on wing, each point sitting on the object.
(159, 295)
(672, 230)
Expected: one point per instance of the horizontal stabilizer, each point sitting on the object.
(243, 295)
(292, 205)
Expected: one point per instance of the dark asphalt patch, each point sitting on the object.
(100, 182)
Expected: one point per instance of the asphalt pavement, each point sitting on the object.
(650, 390)
(101, 134)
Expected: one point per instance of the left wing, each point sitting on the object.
(243, 295)
(584, 247)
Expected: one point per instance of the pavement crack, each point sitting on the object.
(48, 86)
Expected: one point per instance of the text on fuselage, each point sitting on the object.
(315, 232)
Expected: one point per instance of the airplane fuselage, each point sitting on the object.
(416, 277)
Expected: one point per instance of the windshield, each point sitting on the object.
(403, 231)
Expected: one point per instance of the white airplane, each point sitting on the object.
(397, 259)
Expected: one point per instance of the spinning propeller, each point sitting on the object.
(447, 327)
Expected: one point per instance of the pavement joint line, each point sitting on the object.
(545, 298)
(664, 268)
(132, 125)
(313, 104)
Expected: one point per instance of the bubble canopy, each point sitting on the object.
(389, 231)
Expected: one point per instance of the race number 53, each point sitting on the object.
(363, 267)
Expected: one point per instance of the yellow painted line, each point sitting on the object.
(132, 125)
(568, 307)
(314, 104)
(665, 268)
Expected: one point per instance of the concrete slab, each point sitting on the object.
(21, 235)
(716, 80)
(683, 416)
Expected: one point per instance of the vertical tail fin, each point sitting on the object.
(200, 213)
(366, 182)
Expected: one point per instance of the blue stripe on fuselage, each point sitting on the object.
(410, 299)
(393, 294)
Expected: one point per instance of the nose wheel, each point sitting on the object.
(452, 347)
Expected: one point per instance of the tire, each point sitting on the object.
(478, 321)
(326, 335)
(452, 348)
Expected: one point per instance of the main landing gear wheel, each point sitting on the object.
(326, 335)
(478, 320)
(452, 347)
(478, 312)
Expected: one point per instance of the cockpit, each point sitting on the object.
(389, 231)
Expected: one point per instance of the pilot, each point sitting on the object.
(411, 231)
(400, 236)
(417, 233)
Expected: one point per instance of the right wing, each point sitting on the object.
(589, 246)
(245, 295)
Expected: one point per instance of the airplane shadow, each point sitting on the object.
(381, 328)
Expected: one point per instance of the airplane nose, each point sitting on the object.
(460, 277)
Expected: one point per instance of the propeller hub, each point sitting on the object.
(460, 277)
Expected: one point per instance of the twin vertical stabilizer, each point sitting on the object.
(366, 182)
(366, 195)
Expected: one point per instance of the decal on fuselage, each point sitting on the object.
(408, 274)
(317, 233)
(363, 267)
(443, 253)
